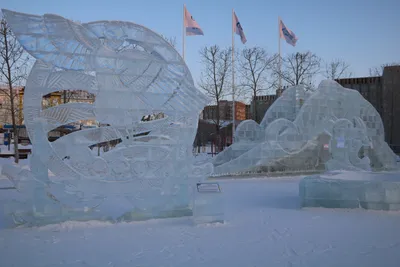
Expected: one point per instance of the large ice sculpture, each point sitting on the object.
(133, 72)
(328, 129)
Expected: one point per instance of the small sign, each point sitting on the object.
(208, 188)
(340, 144)
(326, 146)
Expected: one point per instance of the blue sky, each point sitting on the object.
(365, 33)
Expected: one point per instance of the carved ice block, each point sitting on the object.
(290, 132)
(132, 73)
(208, 204)
(369, 190)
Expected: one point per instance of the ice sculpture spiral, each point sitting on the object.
(330, 129)
(133, 72)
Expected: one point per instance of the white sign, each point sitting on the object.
(340, 142)
(208, 188)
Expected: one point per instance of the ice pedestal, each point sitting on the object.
(368, 190)
(208, 204)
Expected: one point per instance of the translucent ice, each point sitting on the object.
(369, 190)
(332, 128)
(133, 72)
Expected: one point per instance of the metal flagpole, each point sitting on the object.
(279, 44)
(233, 75)
(183, 33)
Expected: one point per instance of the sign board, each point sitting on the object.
(208, 188)
(340, 142)
(326, 146)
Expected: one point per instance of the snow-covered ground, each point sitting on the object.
(264, 227)
(4, 149)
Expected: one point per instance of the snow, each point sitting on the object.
(4, 148)
(264, 227)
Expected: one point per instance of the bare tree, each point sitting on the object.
(254, 66)
(171, 40)
(13, 70)
(337, 69)
(214, 78)
(378, 71)
(299, 68)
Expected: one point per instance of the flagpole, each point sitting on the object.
(233, 76)
(279, 44)
(183, 33)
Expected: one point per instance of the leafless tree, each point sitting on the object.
(255, 63)
(378, 71)
(13, 70)
(171, 40)
(299, 68)
(215, 76)
(337, 69)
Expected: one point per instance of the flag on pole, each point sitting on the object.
(191, 26)
(238, 29)
(287, 34)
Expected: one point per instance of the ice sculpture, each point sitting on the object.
(351, 189)
(328, 129)
(133, 72)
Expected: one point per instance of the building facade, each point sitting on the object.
(248, 112)
(391, 105)
(369, 87)
(5, 105)
(384, 94)
(49, 100)
(260, 104)
(225, 111)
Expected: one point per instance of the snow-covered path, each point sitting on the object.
(264, 227)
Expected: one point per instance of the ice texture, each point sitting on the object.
(369, 190)
(330, 128)
(133, 72)
(208, 206)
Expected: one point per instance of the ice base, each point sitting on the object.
(368, 190)
(58, 214)
(208, 207)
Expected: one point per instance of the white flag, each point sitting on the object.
(238, 29)
(287, 34)
(191, 26)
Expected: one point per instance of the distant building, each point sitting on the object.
(206, 130)
(49, 100)
(369, 87)
(5, 105)
(75, 96)
(262, 103)
(384, 94)
(248, 112)
(225, 111)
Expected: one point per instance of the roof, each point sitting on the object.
(16, 88)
